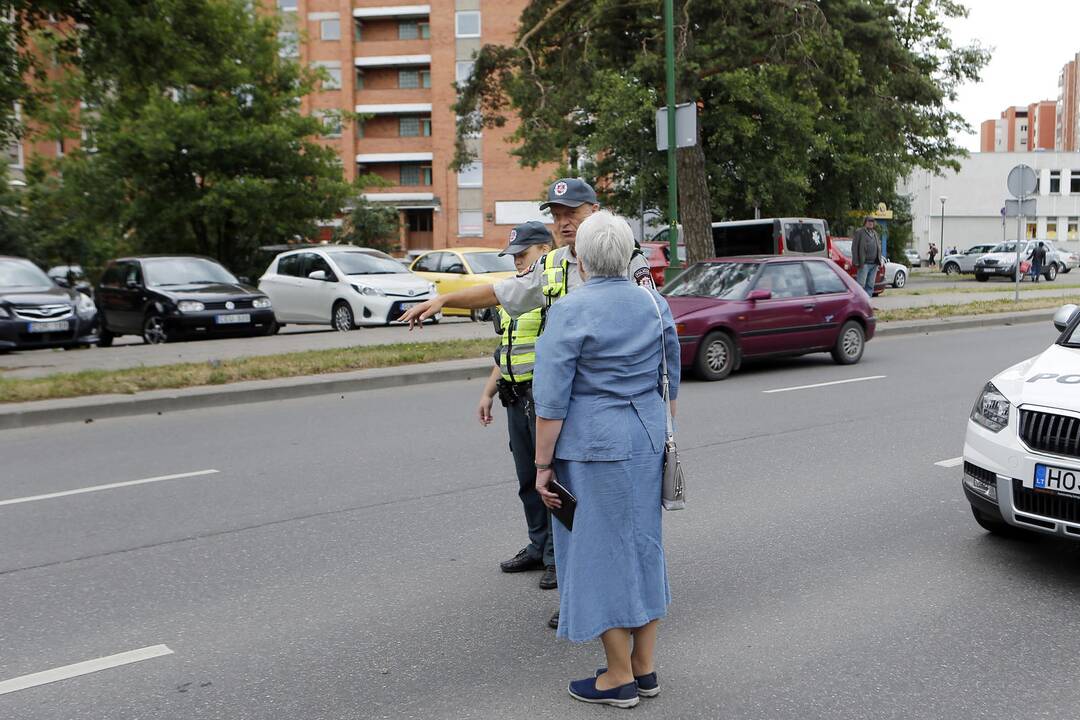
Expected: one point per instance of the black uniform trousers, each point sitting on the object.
(521, 423)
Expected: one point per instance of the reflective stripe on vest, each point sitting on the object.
(555, 274)
(517, 353)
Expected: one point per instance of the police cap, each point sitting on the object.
(571, 192)
(526, 235)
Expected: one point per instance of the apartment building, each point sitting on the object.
(1067, 121)
(396, 64)
(1021, 129)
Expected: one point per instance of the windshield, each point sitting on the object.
(22, 274)
(488, 262)
(1010, 247)
(720, 280)
(362, 263)
(185, 271)
(844, 246)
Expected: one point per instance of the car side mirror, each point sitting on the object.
(317, 275)
(1062, 317)
(756, 295)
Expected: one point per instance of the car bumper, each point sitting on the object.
(206, 323)
(995, 269)
(15, 334)
(1008, 464)
(375, 310)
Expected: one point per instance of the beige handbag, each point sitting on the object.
(673, 492)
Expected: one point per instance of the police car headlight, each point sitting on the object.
(370, 291)
(991, 409)
(84, 306)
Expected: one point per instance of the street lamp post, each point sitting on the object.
(941, 250)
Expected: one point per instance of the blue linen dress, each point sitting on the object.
(598, 370)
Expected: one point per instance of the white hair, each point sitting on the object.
(604, 244)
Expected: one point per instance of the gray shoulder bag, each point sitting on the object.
(673, 493)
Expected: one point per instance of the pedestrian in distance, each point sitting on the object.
(600, 432)
(511, 380)
(1038, 260)
(931, 255)
(866, 255)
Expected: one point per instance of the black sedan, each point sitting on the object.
(35, 313)
(166, 298)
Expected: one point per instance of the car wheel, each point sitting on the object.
(849, 344)
(341, 317)
(1051, 273)
(952, 269)
(105, 338)
(272, 328)
(979, 277)
(997, 527)
(154, 332)
(899, 279)
(716, 356)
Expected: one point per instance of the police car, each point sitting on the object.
(1022, 449)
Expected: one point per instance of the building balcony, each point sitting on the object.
(392, 12)
(392, 53)
(394, 102)
(411, 146)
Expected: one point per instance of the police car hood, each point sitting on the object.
(1051, 379)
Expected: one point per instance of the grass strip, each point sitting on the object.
(983, 288)
(980, 307)
(222, 372)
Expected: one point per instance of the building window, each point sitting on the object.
(463, 71)
(471, 176)
(414, 127)
(358, 30)
(359, 128)
(1032, 230)
(407, 30)
(1055, 182)
(13, 155)
(470, 223)
(287, 5)
(415, 174)
(408, 79)
(333, 80)
(330, 29)
(1051, 231)
(1074, 229)
(60, 148)
(425, 78)
(359, 79)
(475, 121)
(425, 30)
(1074, 182)
(467, 24)
(289, 44)
(331, 124)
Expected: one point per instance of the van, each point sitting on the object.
(771, 236)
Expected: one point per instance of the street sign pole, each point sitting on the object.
(1021, 182)
(673, 180)
(1019, 236)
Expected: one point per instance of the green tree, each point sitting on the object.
(370, 225)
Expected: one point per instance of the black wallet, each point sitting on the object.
(565, 514)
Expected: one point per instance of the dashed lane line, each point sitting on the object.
(951, 462)
(82, 668)
(825, 384)
(110, 486)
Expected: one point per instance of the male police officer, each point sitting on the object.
(511, 380)
(570, 200)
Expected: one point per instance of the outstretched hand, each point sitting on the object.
(417, 314)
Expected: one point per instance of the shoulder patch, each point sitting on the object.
(643, 277)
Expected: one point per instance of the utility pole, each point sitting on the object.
(673, 181)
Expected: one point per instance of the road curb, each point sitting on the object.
(88, 409)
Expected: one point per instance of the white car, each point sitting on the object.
(1022, 449)
(895, 274)
(342, 286)
(913, 257)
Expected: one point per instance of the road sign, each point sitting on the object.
(1013, 208)
(1022, 181)
(685, 126)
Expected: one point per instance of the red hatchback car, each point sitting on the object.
(746, 307)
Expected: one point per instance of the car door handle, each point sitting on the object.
(809, 306)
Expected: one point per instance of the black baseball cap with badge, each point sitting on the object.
(526, 235)
(571, 192)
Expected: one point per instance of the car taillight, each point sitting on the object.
(780, 245)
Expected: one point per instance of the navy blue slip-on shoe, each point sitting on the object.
(624, 696)
(647, 685)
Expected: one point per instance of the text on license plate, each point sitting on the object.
(232, 319)
(44, 327)
(1062, 480)
(405, 306)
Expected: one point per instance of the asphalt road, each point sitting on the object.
(342, 561)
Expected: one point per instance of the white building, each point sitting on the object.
(975, 197)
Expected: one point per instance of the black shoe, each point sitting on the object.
(521, 562)
(553, 623)
(549, 580)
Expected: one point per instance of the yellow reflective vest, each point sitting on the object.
(517, 351)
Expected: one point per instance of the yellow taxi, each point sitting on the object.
(455, 269)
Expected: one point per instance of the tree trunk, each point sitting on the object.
(694, 203)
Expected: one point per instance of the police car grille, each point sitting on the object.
(1050, 433)
(1058, 507)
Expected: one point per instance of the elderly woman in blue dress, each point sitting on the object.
(600, 432)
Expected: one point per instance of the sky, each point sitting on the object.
(1030, 42)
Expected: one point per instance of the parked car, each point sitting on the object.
(1069, 260)
(164, 298)
(71, 276)
(411, 255)
(658, 254)
(771, 236)
(913, 258)
(840, 253)
(342, 286)
(458, 268)
(1022, 447)
(730, 309)
(36, 313)
(964, 262)
(895, 274)
(1001, 261)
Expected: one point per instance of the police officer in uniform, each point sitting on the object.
(511, 380)
(570, 201)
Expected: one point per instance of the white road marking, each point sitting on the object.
(817, 385)
(951, 462)
(83, 668)
(110, 486)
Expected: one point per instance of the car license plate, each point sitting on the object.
(406, 305)
(1062, 480)
(232, 319)
(45, 327)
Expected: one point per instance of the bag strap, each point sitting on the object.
(663, 355)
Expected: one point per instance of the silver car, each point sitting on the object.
(964, 262)
(895, 274)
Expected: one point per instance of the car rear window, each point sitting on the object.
(803, 237)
